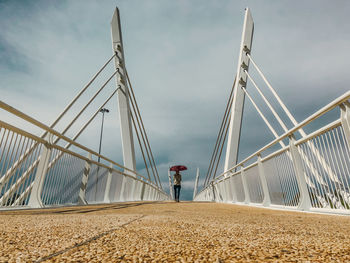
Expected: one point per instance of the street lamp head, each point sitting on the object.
(104, 110)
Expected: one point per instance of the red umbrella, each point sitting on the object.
(177, 168)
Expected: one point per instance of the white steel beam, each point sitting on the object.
(171, 189)
(245, 186)
(84, 181)
(238, 95)
(106, 198)
(196, 184)
(304, 201)
(123, 95)
(35, 196)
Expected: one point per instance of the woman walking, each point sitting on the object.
(177, 185)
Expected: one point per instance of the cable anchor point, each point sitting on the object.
(246, 50)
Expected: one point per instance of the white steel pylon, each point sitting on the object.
(123, 95)
(238, 93)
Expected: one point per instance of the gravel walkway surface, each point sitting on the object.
(170, 232)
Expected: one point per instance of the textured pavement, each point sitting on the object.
(170, 232)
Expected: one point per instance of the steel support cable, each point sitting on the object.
(268, 103)
(87, 123)
(276, 135)
(307, 162)
(219, 137)
(262, 116)
(141, 148)
(220, 141)
(42, 141)
(28, 151)
(59, 155)
(143, 127)
(15, 166)
(80, 93)
(290, 116)
(144, 134)
(127, 94)
(39, 124)
(133, 102)
(222, 145)
(86, 105)
(228, 108)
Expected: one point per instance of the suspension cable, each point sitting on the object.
(138, 138)
(143, 127)
(290, 116)
(54, 160)
(220, 143)
(268, 103)
(262, 116)
(292, 119)
(80, 93)
(142, 136)
(219, 137)
(14, 167)
(86, 105)
(223, 142)
(284, 107)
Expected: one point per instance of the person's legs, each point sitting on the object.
(175, 192)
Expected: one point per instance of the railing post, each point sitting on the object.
(35, 196)
(304, 202)
(171, 188)
(121, 198)
(345, 120)
(224, 192)
(84, 180)
(151, 194)
(137, 194)
(142, 191)
(233, 189)
(245, 186)
(196, 184)
(106, 198)
(133, 188)
(267, 199)
(213, 191)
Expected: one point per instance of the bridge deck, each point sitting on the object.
(185, 231)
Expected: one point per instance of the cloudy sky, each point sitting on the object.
(181, 57)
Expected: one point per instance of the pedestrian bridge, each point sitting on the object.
(172, 232)
(116, 212)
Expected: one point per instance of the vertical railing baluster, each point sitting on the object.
(84, 181)
(304, 201)
(106, 198)
(267, 199)
(35, 196)
(245, 186)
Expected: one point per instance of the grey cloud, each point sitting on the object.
(181, 57)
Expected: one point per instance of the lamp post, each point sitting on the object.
(103, 110)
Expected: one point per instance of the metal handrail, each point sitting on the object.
(39, 124)
(60, 148)
(338, 101)
(314, 116)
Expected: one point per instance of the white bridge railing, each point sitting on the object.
(36, 172)
(311, 173)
